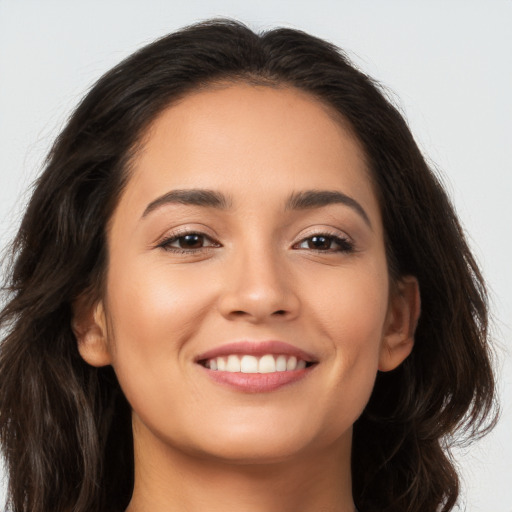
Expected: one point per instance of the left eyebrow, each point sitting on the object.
(318, 198)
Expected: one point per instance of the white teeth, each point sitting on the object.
(291, 364)
(252, 364)
(233, 364)
(248, 364)
(267, 364)
(281, 363)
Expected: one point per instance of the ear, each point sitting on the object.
(401, 321)
(90, 328)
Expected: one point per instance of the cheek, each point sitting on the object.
(351, 315)
(351, 304)
(153, 310)
(151, 298)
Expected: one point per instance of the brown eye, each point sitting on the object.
(326, 243)
(319, 242)
(192, 241)
(188, 242)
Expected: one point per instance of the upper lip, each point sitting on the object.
(256, 348)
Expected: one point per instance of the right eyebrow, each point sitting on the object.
(194, 196)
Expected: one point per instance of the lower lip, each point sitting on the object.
(257, 382)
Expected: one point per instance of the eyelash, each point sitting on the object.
(166, 243)
(345, 245)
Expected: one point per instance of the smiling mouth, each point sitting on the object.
(256, 366)
(247, 363)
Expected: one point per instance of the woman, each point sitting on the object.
(216, 294)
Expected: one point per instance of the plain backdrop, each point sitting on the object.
(447, 64)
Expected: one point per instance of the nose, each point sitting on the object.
(258, 288)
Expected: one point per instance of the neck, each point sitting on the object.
(169, 479)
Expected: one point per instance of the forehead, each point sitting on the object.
(250, 142)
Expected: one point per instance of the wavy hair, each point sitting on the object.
(65, 426)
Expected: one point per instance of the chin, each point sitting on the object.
(254, 451)
(264, 444)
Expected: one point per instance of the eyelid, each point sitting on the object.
(324, 230)
(345, 242)
(164, 241)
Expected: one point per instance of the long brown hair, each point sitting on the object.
(65, 426)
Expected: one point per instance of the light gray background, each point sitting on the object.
(448, 64)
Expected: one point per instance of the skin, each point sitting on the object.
(200, 445)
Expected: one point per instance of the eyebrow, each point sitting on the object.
(304, 200)
(195, 197)
(319, 198)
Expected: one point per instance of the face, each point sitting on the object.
(248, 306)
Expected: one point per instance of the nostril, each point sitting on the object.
(280, 312)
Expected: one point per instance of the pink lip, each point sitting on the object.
(256, 348)
(256, 382)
